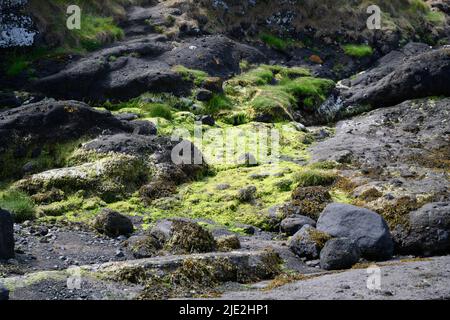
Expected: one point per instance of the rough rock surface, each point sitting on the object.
(401, 150)
(308, 242)
(422, 280)
(428, 231)
(339, 253)
(98, 77)
(414, 72)
(294, 223)
(365, 227)
(6, 235)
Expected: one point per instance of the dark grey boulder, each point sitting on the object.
(113, 224)
(428, 232)
(204, 95)
(6, 235)
(4, 293)
(308, 242)
(416, 71)
(367, 228)
(294, 223)
(206, 120)
(338, 254)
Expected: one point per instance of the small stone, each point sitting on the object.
(4, 293)
(113, 224)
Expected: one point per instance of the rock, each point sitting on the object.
(95, 77)
(6, 235)
(8, 100)
(143, 127)
(228, 243)
(204, 95)
(308, 242)
(206, 120)
(338, 254)
(247, 194)
(143, 246)
(37, 123)
(416, 71)
(368, 229)
(4, 293)
(428, 231)
(213, 84)
(294, 223)
(182, 236)
(113, 224)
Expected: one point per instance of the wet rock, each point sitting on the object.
(308, 242)
(6, 235)
(113, 224)
(427, 232)
(228, 243)
(143, 127)
(294, 223)
(338, 254)
(8, 100)
(368, 229)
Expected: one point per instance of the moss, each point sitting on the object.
(311, 200)
(358, 50)
(281, 44)
(397, 212)
(319, 237)
(197, 76)
(314, 177)
(370, 194)
(18, 203)
(60, 208)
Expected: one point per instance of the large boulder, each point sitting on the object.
(367, 228)
(308, 242)
(416, 71)
(113, 224)
(6, 235)
(428, 231)
(339, 253)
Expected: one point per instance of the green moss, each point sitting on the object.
(97, 31)
(17, 66)
(436, 17)
(197, 76)
(358, 50)
(281, 44)
(314, 177)
(217, 103)
(18, 203)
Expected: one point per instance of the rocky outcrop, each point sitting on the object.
(6, 235)
(416, 71)
(366, 228)
(130, 68)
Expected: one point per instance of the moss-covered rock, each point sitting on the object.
(310, 201)
(228, 243)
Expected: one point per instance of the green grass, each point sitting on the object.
(314, 177)
(96, 31)
(358, 50)
(281, 44)
(17, 67)
(217, 103)
(18, 203)
(197, 76)
(435, 17)
(158, 110)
